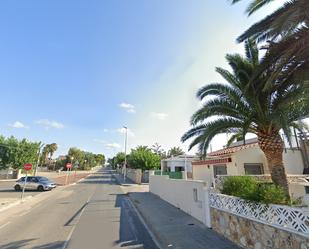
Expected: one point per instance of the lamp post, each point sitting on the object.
(38, 160)
(125, 153)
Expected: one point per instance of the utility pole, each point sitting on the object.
(125, 153)
(38, 161)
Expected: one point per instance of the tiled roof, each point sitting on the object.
(231, 150)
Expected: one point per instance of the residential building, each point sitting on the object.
(179, 163)
(244, 159)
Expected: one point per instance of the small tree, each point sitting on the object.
(143, 158)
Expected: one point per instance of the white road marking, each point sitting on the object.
(5, 224)
(73, 228)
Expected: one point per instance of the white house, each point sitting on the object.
(179, 163)
(242, 159)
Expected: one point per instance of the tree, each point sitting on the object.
(286, 32)
(15, 153)
(100, 159)
(119, 159)
(52, 148)
(47, 153)
(143, 158)
(241, 106)
(76, 155)
(157, 149)
(175, 151)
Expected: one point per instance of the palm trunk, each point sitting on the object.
(272, 146)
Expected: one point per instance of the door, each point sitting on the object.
(28, 183)
(220, 170)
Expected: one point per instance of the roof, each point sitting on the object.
(233, 149)
(181, 158)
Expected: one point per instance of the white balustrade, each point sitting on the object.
(283, 217)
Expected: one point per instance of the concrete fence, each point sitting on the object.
(249, 224)
(189, 196)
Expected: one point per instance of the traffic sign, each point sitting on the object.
(28, 166)
(69, 165)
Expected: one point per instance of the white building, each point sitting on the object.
(179, 163)
(245, 159)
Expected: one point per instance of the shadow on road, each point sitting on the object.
(131, 232)
(25, 243)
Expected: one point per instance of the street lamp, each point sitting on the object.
(38, 160)
(125, 153)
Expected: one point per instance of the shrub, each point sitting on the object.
(270, 193)
(241, 186)
(248, 188)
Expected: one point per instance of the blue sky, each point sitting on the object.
(73, 72)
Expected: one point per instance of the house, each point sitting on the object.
(244, 159)
(179, 163)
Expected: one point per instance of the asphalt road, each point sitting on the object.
(91, 214)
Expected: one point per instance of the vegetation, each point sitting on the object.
(242, 105)
(82, 159)
(157, 149)
(248, 188)
(47, 153)
(175, 151)
(143, 158)
(15, 153)
(285, 35)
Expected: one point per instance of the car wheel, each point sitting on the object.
(17, 188)
(40, 188)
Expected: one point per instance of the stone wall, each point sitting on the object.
(135, 175)
(254, 235)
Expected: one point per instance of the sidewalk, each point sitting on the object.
(171, 227)
(175, 229)
(128, 185)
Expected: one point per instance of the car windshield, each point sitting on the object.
(41, 178)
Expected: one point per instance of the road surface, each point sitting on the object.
(91, 214)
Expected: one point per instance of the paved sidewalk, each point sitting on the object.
(171, 227)
(174, 228)
(128, 185)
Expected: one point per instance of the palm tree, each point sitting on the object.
(175, 151)
(52, 148)
(287, 33)
(241, 106)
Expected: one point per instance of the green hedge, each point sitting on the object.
(249, 188)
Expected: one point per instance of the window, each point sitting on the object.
(220, 170)
(253, 168)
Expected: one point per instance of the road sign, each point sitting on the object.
(69, 165)
(28, 166)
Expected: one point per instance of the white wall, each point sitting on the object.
(293, 162)
(179, 193)
(179, 163)
(250, 155)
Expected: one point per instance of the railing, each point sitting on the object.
(283, 217)
(172, 175)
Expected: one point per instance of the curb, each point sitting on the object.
(141, 218)
(15, 203)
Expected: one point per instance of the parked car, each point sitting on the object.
(39, 183)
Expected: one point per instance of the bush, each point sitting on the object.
(241, 186)
(270, 193)
(249, 188)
